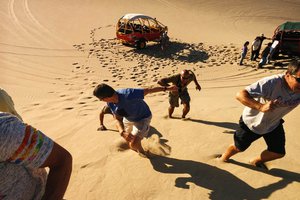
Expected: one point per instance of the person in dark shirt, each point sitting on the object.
(264, 55)
(181, 81)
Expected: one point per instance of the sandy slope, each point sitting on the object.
(54, 52)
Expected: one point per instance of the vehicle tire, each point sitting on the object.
(141, 44)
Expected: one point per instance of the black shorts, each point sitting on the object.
(275, 140)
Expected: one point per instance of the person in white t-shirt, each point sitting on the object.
(267, 101)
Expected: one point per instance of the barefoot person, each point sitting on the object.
(267, 102)
(129, 104)
(181, 81)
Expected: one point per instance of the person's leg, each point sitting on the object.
(171, 110)
(174, 102)
(140, 130)
(243, 137)
(185, 110)
(230, 151)
(242, 58)
(256, 54)
(265, 156)
(252, 55)
(276, 146)
(185, 100)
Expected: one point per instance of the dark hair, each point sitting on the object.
(293, 67)
(103, 90)
(246, 43)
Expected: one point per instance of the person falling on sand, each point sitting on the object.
(132, 113)
(267, 101)
(181, 80)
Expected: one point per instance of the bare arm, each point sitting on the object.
(120, 124)
(60, 165)
(101, 118)
(198, 87)
(163, 82)
(245, 98)
(160, 89)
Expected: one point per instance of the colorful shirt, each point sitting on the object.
(21, 143)
(23, 149)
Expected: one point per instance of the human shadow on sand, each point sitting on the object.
(287, 176)
(154, 131)
(184, 52)
(227, 125)
(223, 185)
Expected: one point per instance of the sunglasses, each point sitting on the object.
(185, 78)
(297, 78)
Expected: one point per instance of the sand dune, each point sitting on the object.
(53, 53)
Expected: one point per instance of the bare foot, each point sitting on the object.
(220, 157)
(258, 164)
(102, 128)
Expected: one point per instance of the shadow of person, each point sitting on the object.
(281, 173)
(228, 125)
(154, 131)
(223, 185)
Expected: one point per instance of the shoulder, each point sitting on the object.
(192, 74)
(131, 93)
(267, 83)
(173, 78)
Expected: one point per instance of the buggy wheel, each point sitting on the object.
(141, 44)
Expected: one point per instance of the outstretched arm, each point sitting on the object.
(163, 82)
(160, 89)
(60, 165)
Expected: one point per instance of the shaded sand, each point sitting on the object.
(53, 53)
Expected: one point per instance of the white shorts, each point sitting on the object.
(140, 128)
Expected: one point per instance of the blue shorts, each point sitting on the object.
(275, 140)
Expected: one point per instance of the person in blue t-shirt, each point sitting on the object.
(130, 110)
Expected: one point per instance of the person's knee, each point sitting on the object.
(186, 105)
(235, 148)
(280, 155)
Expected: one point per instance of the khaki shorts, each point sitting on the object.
(174, 98)
(140, 128)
